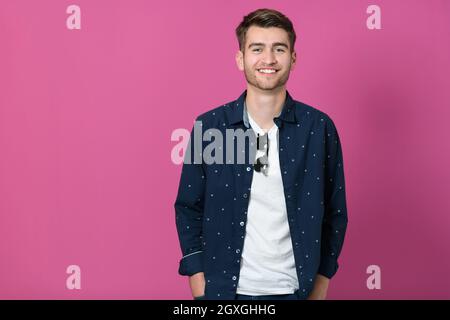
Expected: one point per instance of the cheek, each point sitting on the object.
(288, 61)
(250, 63)
(285, 65)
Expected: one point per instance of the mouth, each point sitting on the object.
(267, 71)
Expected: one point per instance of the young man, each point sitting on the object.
(272, 227)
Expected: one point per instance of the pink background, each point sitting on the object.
(86, 117)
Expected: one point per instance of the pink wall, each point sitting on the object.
(86, 116)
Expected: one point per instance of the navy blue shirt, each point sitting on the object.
(212, 201)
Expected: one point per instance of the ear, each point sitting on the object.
(293, 60)
(240, 60)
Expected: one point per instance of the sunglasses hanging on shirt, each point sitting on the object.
(262, 162)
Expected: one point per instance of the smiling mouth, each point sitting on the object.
(267, 71)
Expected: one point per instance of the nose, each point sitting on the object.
(269, 57)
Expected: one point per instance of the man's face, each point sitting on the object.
(266, 58)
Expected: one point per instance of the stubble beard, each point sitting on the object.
(262, 84)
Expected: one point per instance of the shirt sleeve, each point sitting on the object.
(335, 216)
(189, 212)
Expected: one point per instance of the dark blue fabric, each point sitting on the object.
(212, 200)
(292, 296)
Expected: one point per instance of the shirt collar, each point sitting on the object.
(238, 111)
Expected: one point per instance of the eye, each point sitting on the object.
(257, 50)
(280, 49)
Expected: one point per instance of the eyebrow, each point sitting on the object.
(275, 44)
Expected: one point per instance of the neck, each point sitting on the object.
(264, 105)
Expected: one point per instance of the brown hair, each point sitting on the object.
(265, 18)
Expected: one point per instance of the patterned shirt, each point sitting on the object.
(213, 198)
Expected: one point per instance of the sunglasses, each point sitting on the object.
(262, 162)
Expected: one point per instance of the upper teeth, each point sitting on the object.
(267, 70)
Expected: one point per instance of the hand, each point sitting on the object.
(320, 289)
(197, 283)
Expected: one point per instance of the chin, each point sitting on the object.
(268, 88)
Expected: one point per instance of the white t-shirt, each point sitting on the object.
(267, 263)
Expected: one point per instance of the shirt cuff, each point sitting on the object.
(191, 264)
(328, 267)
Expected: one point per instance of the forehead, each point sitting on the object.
(266, 35)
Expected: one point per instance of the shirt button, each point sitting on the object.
(245, 195)
(249, 169)
(234, 278)
(237, 250)
(242, 223)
